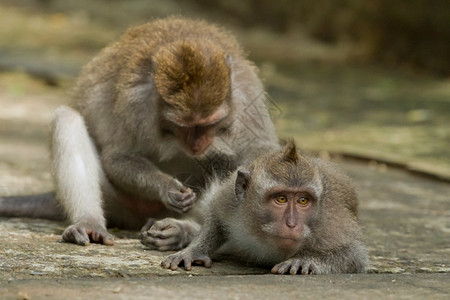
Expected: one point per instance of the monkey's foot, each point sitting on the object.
(293, 265)
(84, 234)
(187, 258)
(168, 234)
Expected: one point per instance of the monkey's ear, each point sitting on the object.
(241, 186)
(290, 152)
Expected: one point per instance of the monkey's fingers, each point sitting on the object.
(309, 268)
(186, 190)
(188, 203)
(100, 236)
(76, 235)
(203, 260)
(187, 263)
(105, 239)
(164, 233)
(181, 202)
(176, 262)
(280, 268)
(148, 225)
(291, 265)
(166, 263)
(295, 266)
(173, 261)
(168, 244)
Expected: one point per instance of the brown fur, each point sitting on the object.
(192, 77)
(169, 97)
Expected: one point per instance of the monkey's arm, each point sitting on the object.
(211, 237)
(139, 176)
(347, 259)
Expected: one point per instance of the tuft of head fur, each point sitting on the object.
(288, 167)
(192, 76)
(290, 152)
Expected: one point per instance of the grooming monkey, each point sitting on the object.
(171, 98)
(289, 212)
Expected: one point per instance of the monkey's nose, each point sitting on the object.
(291, 223)
(291, 220)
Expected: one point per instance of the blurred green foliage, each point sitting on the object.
(411, 33)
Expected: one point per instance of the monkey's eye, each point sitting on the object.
(281, 199)
(303, 201)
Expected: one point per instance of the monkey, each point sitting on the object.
(287, 211)
(155, 114)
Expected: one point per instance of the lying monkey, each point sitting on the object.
(294, 213)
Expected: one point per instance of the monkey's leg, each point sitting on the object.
(78, 176)
(169, 234)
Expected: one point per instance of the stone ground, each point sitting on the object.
(393, 122)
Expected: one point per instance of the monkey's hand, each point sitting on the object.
(187, 258)
(178, 197)
(303, 265)
(84, 233)
(168, 234)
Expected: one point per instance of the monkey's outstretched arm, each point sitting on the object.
(139, 176)
(347, 259)
(211, 237)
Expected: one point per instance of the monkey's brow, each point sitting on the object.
(204, 124)
(278, 190)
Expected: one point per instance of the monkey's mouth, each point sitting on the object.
(286, 238)
(196, 152)
(286, 242)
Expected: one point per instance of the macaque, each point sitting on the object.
(171, 104)
(286, 211)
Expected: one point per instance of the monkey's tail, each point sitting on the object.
(43, 206)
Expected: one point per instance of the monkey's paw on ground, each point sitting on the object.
(83, 234)
(168, 234)
(187, 258)
(296, 265)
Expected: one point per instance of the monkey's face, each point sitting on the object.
(286, 212)
(193, 80)
(194, 132)
(195, 139)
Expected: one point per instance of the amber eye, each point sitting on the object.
(303, 201)
(281, 199)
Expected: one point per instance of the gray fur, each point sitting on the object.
(331, 240)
